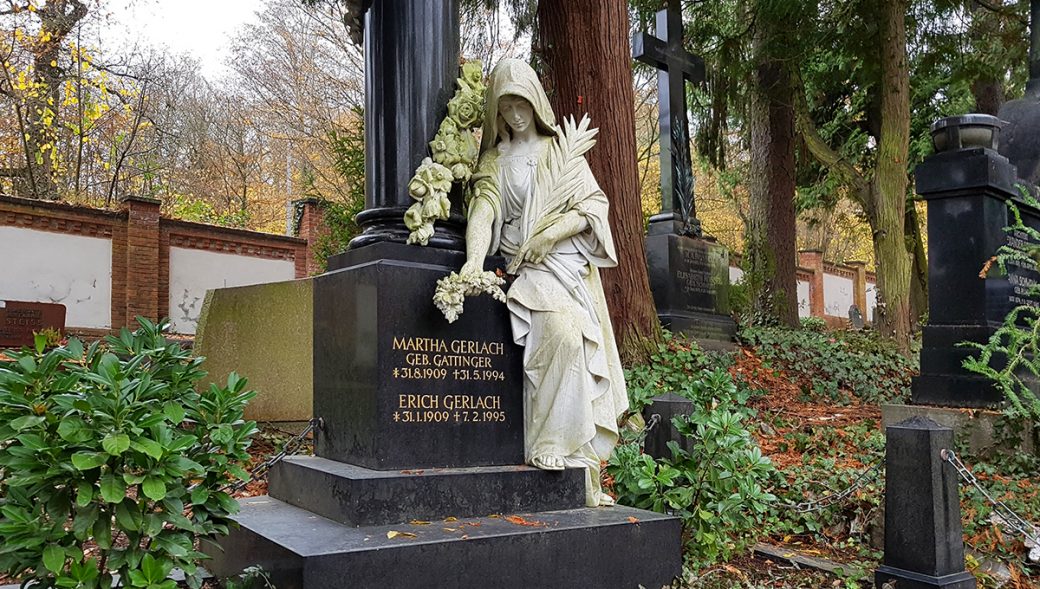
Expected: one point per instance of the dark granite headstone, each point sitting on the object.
(855, 317)
(924, 541)
(397, 385)
(968, 191)
(689, 278)
(19, 320)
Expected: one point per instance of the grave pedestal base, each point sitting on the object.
(689, 278)
(911, 580)
(566, 548)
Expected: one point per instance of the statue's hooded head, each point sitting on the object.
(514, 77)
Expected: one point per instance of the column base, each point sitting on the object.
(887, 577)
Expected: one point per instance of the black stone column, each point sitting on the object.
(967, 191)
(411, 64)
(924, 543)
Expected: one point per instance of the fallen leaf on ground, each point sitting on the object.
(419, 522)
(395, 534)
(516, 519)
(633, 520)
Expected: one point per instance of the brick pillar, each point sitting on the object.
(311, 226)
(142, 259)
(859, 286)
(812, 260)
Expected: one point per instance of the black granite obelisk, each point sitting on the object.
(689, 275)
(391, 391)
(924, 541)
(967, 186)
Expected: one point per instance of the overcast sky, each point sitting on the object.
(200, 27)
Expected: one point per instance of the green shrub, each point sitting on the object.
(676, 367)
(111, 445)
(716, 487)
(834, 364)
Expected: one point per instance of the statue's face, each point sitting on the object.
(517, 112)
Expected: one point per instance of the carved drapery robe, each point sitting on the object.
(574, 388)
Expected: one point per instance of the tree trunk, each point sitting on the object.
(771, 235)
(587, 68)
(989, 95)
(918, 267)
(890, 178)
(57, 20)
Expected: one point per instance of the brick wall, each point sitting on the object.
(814, 271)
(141, 241)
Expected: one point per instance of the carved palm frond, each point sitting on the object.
(565, 160)
(682, 177)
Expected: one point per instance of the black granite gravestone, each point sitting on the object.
(689, 276)
(400, 387)
(1021, 135)
(924, 542)
(968, 188)
(423, 420)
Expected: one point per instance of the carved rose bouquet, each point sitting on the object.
(454, 152)
(453, 289)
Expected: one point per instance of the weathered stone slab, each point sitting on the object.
(19, 320)
(264, 332)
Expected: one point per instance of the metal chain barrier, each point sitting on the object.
(1009, 518)
(290, 448)
(833, 498)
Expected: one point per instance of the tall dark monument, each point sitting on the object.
(424, 420)
(1020, 141)
(689, 275)
(981, 165)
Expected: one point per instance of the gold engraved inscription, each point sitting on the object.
(449, 408)
(430, 358)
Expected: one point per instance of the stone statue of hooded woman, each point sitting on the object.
(574, 388)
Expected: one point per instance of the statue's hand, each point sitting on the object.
(471, 267)
(538, 247)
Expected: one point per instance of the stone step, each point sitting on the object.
(605, 548)
(358, 496)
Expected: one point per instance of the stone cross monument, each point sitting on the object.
(675, 67)
(689, 275)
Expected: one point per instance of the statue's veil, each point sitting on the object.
(515, 77)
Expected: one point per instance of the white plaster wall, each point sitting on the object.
(193, 272)
(803, 299)
(871, 300)
(838, 295)
(48, 267)
(736, 274)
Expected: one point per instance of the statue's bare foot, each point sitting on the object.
(606, 500)
(547, 462)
